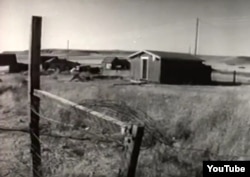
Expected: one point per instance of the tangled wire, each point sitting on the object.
(125, 113)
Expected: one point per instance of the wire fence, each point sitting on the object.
(75, 142)
(71, 119)
(96, 138)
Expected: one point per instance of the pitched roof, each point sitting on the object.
(51, 60)
(108, 59)
(45, 58)
(168, 55)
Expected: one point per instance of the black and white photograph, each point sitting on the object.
(124, 88)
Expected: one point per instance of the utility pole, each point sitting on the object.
(67, 49)
(34, 77)
(189, 50)
(196, 36)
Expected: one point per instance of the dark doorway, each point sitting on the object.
(144, 68)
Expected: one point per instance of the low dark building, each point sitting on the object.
(115, 63)
(169, 68)
(60, 64)
(44, 58)
(7, 59)
(86, 68)
(10, 61)
(83, 68)
(20, 67)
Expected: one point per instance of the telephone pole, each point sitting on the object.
(189, 50)
(196, 36)
(67, 49)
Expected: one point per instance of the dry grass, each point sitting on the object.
(191, 118)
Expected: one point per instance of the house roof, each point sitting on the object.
(167, 55)
(45, 58)
(109, 59)
(51, 60)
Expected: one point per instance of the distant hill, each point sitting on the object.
(241, 60)
(214, 58)
(75, 52)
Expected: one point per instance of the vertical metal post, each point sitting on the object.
(34, 83)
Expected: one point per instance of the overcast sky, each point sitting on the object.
(129, 24)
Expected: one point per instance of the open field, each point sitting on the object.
(225, 65)
(197, 123)
(87, 60)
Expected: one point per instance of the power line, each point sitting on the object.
(223, 23)
(235, 18)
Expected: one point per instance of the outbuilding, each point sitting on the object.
(169, 67)
(115, 63)
(8, 62)
(60, 64)
(116, 66)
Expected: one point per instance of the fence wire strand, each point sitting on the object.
(130, 115)
(103, 129)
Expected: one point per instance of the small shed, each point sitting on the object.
(60, 64)
(85, 68)
(115, 63)
(169, 68)
(8, 61)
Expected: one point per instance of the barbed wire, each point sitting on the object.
(113, 105)
(107, 105)
(188, 149)
(98, 136)
(140, 115)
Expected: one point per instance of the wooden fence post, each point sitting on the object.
(132, 144)
(34, 83)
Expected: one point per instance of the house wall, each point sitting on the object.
(153, 68)
(135, 68)
(7, 59)
(125, 65)
(123, 73)
(61, 64)
(185, 72)
(103, 66)
(19, 67)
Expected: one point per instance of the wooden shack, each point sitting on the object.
(8, 61)
(59, 64)
(115, 66)
(169, 68)
(115, 63)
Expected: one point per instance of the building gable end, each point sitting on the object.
(144, 51)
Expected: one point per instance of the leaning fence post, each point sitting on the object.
(132, 144)
(34, 83)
